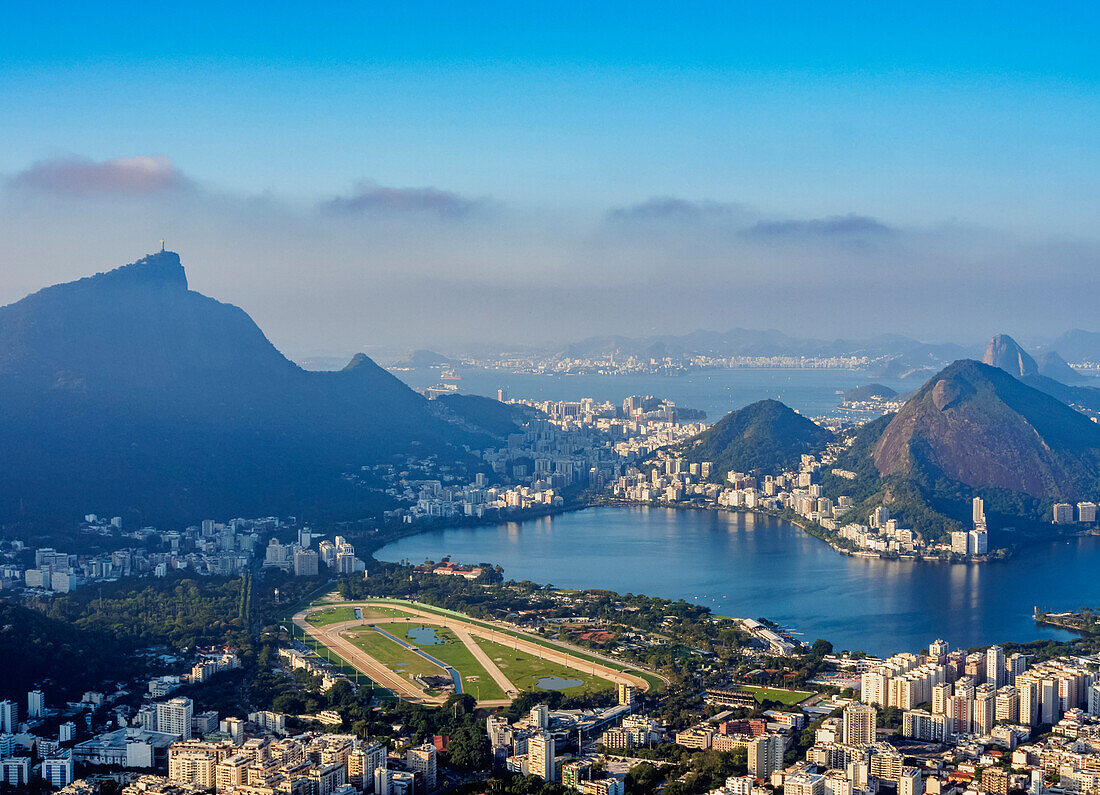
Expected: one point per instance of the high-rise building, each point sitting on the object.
(36, 704)
(540, 756)
(16, 771)
(859, 725)
(422, 760)
(765, 755)
(1094, 700)
(1086, 512)
(306, 563)
(626, 694)
(1008, 705)
(174, 717)
(1063, 513)
(1015, 665)
(910, 782)
(875, 688)
(940, 693)
(995, 666)
(984, 709)
(363, 761)
(920, 725)
(804, 784)
(978, 511)
(232, 772)
(540, 716)
(938, 649)
(58, 771)
(959, 707)
(1027, 688)
(9, 717)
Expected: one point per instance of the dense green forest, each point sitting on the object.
(38, 650)
(179, 611)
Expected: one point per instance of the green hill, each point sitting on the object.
(765, 436)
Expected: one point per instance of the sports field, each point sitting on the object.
(788, 697)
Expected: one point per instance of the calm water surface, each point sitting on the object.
(749, 565)
(813, 392)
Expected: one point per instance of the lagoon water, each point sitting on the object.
(751, 566)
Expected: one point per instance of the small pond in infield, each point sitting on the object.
(424, 636)
(557, 683)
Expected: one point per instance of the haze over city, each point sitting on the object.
(429, 175)
(595, 398)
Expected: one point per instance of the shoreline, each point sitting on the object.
(601, 501)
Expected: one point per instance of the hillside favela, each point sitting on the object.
(585, 398)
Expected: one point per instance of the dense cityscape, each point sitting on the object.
(432, 398)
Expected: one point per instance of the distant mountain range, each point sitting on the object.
(911, 354)
(127, 392)
(1078, 346)
(892, 355)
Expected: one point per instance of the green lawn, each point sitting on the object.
(788, 697)
(392, 655)
(453, 652)
(656, 684)
(331, 615)
(524, 670)
(337, 613)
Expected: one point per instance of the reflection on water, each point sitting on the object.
(753, 565)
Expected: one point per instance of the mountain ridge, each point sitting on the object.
(128, 388)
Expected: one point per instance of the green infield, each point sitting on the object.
(525, 670)
(475, 679)
(336, 614)
(331, 615)
(788, 697)
(656, 683)
(392, 655)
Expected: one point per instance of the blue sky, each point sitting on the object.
(981, 119)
